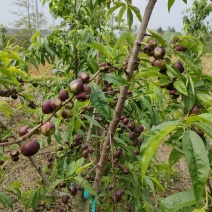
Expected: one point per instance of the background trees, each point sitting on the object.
(195, 19)
(26, 20)
(3, 37)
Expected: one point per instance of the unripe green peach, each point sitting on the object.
(48, 128)
(66, 113)
(153, 43)
(159, 52)
(76, 86)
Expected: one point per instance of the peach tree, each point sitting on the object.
(111, 104)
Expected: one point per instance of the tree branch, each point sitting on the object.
(122, 96)
(34, 129)
(32, 159)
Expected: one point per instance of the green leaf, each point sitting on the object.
(49, 51)
(112, 9)
(71, 129)
(93, 121)
(149, 182)
(115, 79)
(158, 37)
(5, 134)
(174, 71)
(32, 60)
(137, 185)
(163, 81)
(98, 46)
(55, 183)
(71, 169)
(137, 12)
(189, 62)
(177, 201)
(175, 137)
(180, 86)
(129, 17)
(9, 76)
(14, 69)
(197, 160)
(94, 2)
(120, 42)
(16, 188)
(148, 105)
(49, 140)
(204, 117)
(16, 57)
(99, 101)
(153, 145)
(81, 123)
(193, 44)
(151, 74)
(174, 156)
(34, 36)
(170, 4)
(81, 168)
(86, 185)
(205, 100)
(6, 108)
(199, 210)
(80, 162)
(204, 128)
(168, 36)
(6, 200)
(204, 76)
(35, 200)
(158, 184)
(121, 13)
(189, 100)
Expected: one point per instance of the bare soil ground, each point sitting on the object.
(43, 71)
(23, 171)
(207, 63)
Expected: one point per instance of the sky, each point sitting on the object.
(160, 17)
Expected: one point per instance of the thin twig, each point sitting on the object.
(34, 129)
(95, 75)
(90, 128)
(209, 186)
(114, 173)
(57, 194)
(88, 174)
(32, 159)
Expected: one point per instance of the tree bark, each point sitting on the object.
(122, 97)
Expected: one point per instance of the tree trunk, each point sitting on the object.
(122, 97)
